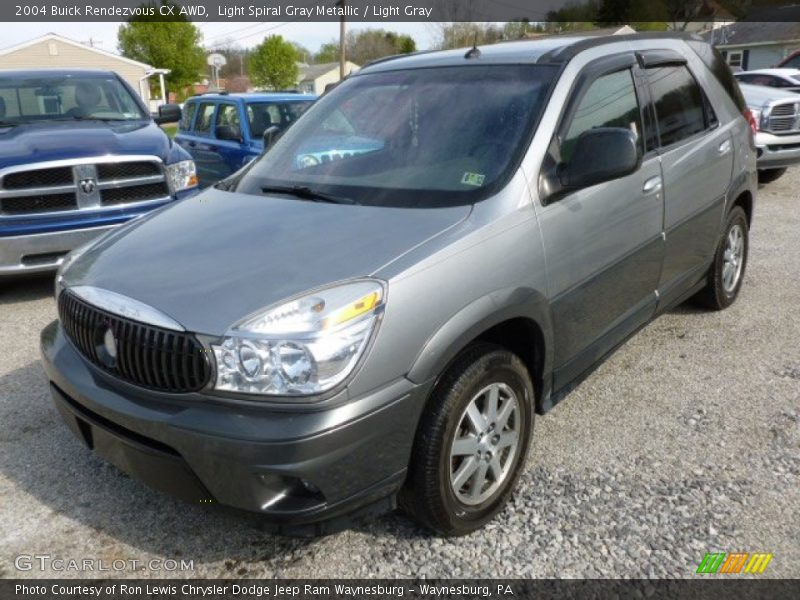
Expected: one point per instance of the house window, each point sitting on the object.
(736, 58)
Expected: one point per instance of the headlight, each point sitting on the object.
(302, 347)
(182, 175)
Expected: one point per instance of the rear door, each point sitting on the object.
(697, 161)
(603, 244)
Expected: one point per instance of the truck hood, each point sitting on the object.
(757, 96)
(59, 140)
(209, 261)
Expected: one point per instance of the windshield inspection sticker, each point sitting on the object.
(475, 179)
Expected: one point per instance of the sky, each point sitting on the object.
(248, 34)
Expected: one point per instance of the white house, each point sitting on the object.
(315, 78)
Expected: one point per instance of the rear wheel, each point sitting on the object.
(471, 443)
(724, 279)
(769, 175)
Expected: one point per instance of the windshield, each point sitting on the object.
(421, 137)
(262, 115)
(66, 97)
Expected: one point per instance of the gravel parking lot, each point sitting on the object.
(686, 441)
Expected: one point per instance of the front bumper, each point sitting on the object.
(299, 468)
(777, 151)
(43, 251)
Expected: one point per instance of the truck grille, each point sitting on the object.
(37, 189)
(784, 118)
(148, 356)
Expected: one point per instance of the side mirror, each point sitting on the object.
(600, 154)
(271, 135)
(168, 113)
(229, 133)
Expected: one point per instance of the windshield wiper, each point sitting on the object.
(306, 193)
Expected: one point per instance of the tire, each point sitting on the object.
(429, 494)
(723, 284)
(769, 175)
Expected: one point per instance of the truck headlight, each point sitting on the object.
(182, 175)
(304, 346)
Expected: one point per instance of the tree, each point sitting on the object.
(465, 34)
(327, 53)
(365, 45)
(273, 64)
(173, 45)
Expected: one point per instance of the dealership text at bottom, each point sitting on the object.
(250, 590)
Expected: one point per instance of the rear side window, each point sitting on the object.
(712, 58)
(609, 102)
(678, 102)
(205, 114)
(188, 116)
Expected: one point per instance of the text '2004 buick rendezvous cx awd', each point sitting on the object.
(325, 333)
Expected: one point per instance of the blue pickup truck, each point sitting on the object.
(79, 155)
(223, 132)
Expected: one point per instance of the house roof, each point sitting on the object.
(311, 72)
(59, 38)
(619, 30)
(748, 33)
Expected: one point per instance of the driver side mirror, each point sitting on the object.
(600, 154)
(271, 135)
(168, 113)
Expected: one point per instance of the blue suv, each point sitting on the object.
(223, 132)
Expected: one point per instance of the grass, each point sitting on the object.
(170, 129)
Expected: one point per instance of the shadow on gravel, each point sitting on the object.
(41, 458)
(20, 288)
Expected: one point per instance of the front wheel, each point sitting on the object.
(724, 279)
(472, 442)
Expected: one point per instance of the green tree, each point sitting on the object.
(327, 53)
(365, 45)
(173, 45)
(273, 63)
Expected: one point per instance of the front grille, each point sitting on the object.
(126, 170)
(138, 193)
(148, 356)
(22, 205)
(38, 178)
(37, 188)
(784, 118)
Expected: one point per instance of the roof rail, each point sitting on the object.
(568, 52)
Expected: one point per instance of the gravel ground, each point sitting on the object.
(687, 440)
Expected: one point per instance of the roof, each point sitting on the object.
(260, 96)
(747, 33)
(776, 72)
(551, 49)
(60, 38)
(312, 72)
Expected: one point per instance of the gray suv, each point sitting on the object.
(372, 311)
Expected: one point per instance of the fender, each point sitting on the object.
(478, 317)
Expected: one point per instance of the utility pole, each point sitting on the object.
(342, 35)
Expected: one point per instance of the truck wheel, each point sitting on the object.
(725, 276)
(471, 443)
(769, 175)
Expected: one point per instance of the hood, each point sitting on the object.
(209, 261)
(59, 140)
(758, 96)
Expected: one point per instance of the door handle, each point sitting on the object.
(652, 185)
(724, 147)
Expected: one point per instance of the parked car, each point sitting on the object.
(777, 120)
(79, 155)
(790, 62)
(786, 79)
(223, 132)
(309, 340)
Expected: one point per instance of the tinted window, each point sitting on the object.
(228, 115)
(188, 116)
(204, 116)
(712, 58)
(281, 114)
(609, 102)
(792, 63)
(678, 102)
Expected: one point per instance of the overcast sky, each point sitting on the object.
(311, 35)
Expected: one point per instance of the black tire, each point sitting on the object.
(715, 295)
(769, 175)
(428, 495)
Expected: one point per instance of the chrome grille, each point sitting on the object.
(148, 356)
(35, 189)
(784, 118)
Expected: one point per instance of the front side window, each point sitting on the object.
(188, 116)
(678, 102)
(228, 116)
(37, 98)
(205, 115)
(421, 137)
(610, 101)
